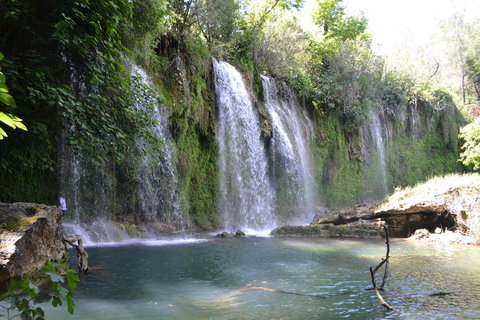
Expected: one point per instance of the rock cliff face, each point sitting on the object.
(31, 235)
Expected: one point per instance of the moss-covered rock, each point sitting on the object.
(357, 230)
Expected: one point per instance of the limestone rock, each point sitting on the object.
(446, 203)
(352, 230)
(31, 235)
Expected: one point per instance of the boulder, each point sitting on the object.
(31, 235)
(239, 233)
(224, 234)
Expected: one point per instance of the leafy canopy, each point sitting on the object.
(7, 100)
(471, 148)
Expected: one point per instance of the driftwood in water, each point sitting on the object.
(373, 271)
(254, 287)
(82, 255)
(249, 287)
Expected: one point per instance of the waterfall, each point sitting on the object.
(376, 129)
(158, 185)
(150, 195)
(414, 116)
(88, 190)
(247, 196)
(291, 159)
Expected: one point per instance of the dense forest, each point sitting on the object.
(69, 87)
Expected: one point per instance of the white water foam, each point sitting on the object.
(148, 242)
(247, 196)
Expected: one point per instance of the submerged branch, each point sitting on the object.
(286, 292)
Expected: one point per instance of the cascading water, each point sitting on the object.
(91, 190)
(247, 196)
(158, 186)
(88, 191)
(376, 129)
(290, 156)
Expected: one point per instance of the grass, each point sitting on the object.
(437, 186)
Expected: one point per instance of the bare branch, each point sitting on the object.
(436, 69)
(373, 271)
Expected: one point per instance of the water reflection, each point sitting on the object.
(210, 280)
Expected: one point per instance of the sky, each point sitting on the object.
(392, 22)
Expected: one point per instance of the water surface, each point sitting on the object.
(209, 279)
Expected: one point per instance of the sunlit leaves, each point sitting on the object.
(282, 38)
(7, 100)
(471, 147)
(337, 27)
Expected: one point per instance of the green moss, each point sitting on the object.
(20, 224)
(411, 159)
(348, 172)
(193, 125)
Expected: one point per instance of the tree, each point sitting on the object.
(341, 63)
(7, 100)
(471, 148)
(461, 39)
(337, 27)
(283, 38)
(219, 19)
(473, 72)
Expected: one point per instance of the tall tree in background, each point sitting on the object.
(460, 38)
(219, 19)
(340, 62)
(337, 26)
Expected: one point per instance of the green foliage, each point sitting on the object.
(348, 83)
(337, 27)
(473, 72)
(471, 146)
(282, 38)
(140, 32)
(99, 109)
(7, 100)
(23, 296)
(89, 34)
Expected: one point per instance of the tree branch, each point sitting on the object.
(82, 255)
(373, 271)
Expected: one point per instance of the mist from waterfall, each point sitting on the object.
(246, 192)
(291, 160)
